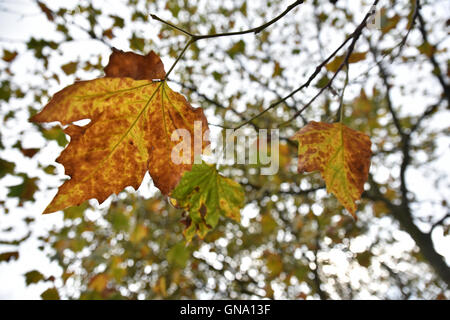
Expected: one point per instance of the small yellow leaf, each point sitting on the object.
(70, 68)
(50, 294)
(341, 154)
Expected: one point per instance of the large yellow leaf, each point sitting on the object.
(132, 121)
(341, 154)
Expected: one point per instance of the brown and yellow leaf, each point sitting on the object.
(99, 282)
(341, 154)
(132, 122)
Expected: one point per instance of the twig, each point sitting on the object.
(403, 41)
(195, 37)
(439, 222)
(340, 114)
(429, 111)
(437, 69)
(235, 33)
(354, 36)
(304, 85)
(385, 79)
(179, 57)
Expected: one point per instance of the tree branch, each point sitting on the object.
(354, 36)
(423, 240)
(255, 30)
(437, 69)
(439, 222)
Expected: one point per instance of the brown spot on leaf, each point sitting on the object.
(203, 210)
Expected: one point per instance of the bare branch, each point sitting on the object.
(235, 33)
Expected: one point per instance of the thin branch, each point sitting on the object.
(194, 37)
(15, 242)
(179, 57)
(439, 222)
(235, 33)
(429, 111)
(437, 69)
(354, 36)
(397, 279)
(411, 26)
(384, 77)
(304, 85)
(267, 87)
(405, 138)
(155, 17)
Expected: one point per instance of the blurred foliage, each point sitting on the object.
(294, 240)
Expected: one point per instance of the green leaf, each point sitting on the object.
(5, 90)
(24, 191)
(237, 48)
(118, 21)
(70, 68)
(119, 219)
(56, 133)
(75, 211)
(178, 255)
(206, 195)
(50, 294)
(6, 167)
(268, 224)
(137, 43)
(33, 276)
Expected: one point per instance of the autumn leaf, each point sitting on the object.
(9, 56)
(99, 282)
(9, 256)
(50, 294)
(24, 191)
(333, 66)
(206, 195)
(132, 121)
(48, 13)
(69, 68)
(341, 154)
